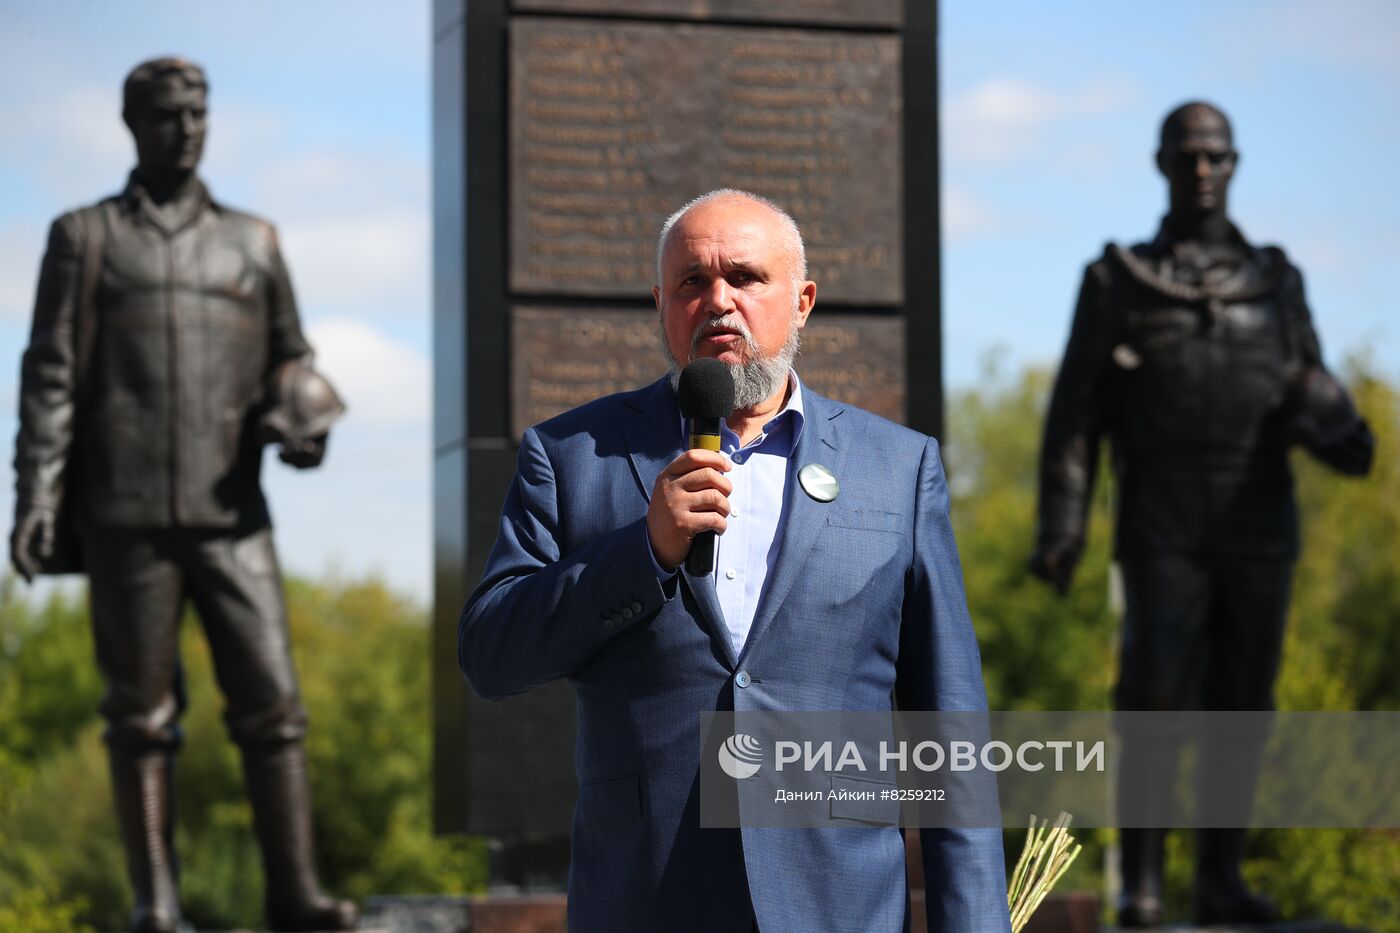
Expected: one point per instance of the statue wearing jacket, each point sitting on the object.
(1195, 355)
(161, 318)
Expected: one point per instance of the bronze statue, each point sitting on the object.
(166, 349)
(1195, 355)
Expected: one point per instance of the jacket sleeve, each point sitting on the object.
(1303, 335)
(286, 340)
(940, 668)
(47, 401)
(538, 613)
(1352, 451)
(1077, 415)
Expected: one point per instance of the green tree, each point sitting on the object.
(1040, 651)
(1043, 652)
(361, 652)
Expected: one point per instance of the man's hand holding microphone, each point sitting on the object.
(689, 501)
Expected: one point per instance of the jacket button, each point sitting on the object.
(742, 679)
(636, 607)
(627, 613)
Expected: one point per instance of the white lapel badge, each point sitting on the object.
(819, 482)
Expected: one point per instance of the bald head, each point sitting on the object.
(731, 285)
(1195, 118)
(755, 209)
(1198, 158)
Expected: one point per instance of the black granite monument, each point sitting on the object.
(564, 132)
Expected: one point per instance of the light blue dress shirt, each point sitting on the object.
(746, 552)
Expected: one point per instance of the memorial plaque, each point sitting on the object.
(886, 13)
(614, 125)
(562, 359)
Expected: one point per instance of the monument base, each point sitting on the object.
(487, 913)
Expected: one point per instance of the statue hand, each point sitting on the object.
(1353, 452)
(304, 454)
(1326, 422)
(1054, 561)
(32, 539)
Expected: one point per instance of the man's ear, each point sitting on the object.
(1161, 160)
(806, 301)
(656, 296)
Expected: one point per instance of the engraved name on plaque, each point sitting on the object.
(564, 359)
(614, 125)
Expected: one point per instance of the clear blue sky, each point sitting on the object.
(320, 121)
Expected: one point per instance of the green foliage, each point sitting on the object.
(361, 653)
(1344, 633)
(61, 834)
(32, 910)
(50, 694)
(1043, 652)
(1039, 651)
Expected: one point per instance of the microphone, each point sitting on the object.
(706, 394)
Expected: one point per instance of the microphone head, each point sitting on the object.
(706, 390)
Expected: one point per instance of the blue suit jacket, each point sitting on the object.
(865, 603)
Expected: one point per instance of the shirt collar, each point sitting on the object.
(1169, 240)
(785, 427)
(191, 203)
(790, 413)
(798, 415)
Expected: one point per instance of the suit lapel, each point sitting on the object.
(702, 587)
(653, 439)
(652, 435)
(804, 517)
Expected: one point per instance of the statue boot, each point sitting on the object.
(143, 788)
(281, 799)
(1140, 904)
(1221, 893)
(1145, 780)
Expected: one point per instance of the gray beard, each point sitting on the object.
(756, 381)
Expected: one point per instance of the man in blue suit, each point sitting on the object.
(835, 588)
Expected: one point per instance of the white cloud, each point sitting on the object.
(1006, 119)
(354, 225)
(367, 507)
(385, 383)
(966, 216)
(323, 180)
(375, 263)
(71, 144)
